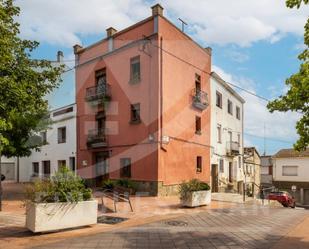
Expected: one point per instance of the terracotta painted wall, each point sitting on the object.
(178, 163)
(122, 136)
(149, 162)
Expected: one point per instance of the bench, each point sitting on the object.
(117, 194)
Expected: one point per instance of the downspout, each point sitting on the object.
(161, 93)
(243, 154)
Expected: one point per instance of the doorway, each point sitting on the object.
(101, 170)
(230, 172)
(214, 178)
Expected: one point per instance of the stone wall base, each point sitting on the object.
(156, 188)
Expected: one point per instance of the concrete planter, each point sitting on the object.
(197, 198)
(45, 217)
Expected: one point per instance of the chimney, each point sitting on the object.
(157, 10)
(59, 56)
(110, 32)
(209, 50)
(77, 48)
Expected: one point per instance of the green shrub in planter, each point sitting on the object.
(64, 186)
(186, 188)
(108, 184)
(124, 182)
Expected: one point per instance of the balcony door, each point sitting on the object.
(101, 81)
(100, 119)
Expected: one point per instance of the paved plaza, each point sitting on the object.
(243, 227)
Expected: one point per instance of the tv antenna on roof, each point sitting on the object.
(183, 23)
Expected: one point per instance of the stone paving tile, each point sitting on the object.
(218, 229)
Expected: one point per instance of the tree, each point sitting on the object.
(23, 84)
(297, 97)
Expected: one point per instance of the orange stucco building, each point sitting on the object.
(142, 99)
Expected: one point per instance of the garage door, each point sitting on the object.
(8, 169)
(306, 196)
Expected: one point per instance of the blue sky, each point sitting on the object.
(255, 45)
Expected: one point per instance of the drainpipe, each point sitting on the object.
(243, 154)
(161, 93)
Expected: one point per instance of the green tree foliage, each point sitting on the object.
(23, 84)
(297, 97)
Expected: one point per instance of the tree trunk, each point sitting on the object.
(0, 183)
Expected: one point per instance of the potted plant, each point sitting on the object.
(60, 202)
(124, 183)
(194, 193)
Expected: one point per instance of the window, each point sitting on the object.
(198, 125)
(46, 168)
(135, 70)
(229, 107)
(218, 99)
(239, 162)
(230, 136)
(238, 139)
(198, 164)
(61, 163)
(135, 113)
(125, 167)
(289, 171)
(237, 112)
(44, 137)
(35, 169)
(61, 135)
(270, 170)
(221, 165)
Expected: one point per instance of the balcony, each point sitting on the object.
(200, 99)
(232, 148)
(97, 138)
(98, 93)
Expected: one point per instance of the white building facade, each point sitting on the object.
(9, 168)
(59, 150)
(227, 125)
(291, 171)
(266, 171)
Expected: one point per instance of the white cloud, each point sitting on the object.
(237, 55)
(63, 22)
(240, 22)
(278, 125)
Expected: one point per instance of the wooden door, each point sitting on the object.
(214, 178)
(230, 172)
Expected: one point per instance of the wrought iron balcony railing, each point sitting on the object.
(97, 138)
(101, 91)
(232, 148)
(200, 99)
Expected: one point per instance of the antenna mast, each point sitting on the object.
(183, 23)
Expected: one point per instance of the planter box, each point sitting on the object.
(197, 198)
(45, 217)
